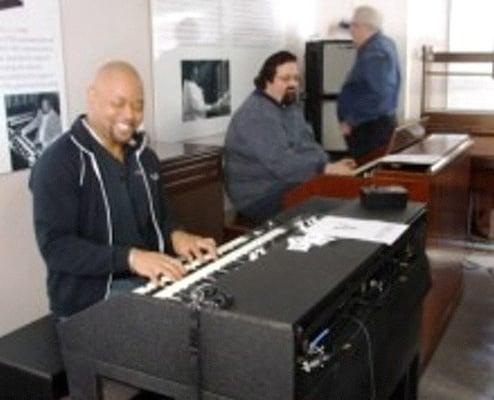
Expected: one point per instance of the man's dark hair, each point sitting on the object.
(51, 98)
(268, 69)
(46, 97)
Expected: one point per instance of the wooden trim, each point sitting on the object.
(474, 123)
(429, 57)
(462, 57)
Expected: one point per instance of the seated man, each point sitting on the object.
(99, 216)
(269, 146)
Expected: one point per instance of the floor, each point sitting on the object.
(463, 366)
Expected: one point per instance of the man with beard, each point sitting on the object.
(101, 223)
(269, 146)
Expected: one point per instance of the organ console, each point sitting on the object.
(435, 170)
(338, 319)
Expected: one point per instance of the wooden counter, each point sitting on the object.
(192, 178)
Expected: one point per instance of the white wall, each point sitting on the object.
(22, 273)
(96, 31)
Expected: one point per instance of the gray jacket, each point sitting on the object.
(268, 149)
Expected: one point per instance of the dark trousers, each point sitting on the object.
(370, 136)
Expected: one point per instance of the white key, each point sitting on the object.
(218, 264)
(192, 266)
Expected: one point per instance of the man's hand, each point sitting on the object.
(346, 129)
(223, 101)
(155, 266)
(192, 246)
(341, 167)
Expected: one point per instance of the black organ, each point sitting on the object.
(339, 321)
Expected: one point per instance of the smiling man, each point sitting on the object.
(100, 220)
(269, 146)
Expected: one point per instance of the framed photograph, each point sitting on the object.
(33, 124)
(205, 89)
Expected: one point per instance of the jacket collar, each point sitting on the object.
(371, 39)
(87, 139)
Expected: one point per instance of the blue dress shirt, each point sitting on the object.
(372, 87)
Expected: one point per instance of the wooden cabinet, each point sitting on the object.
(193, 181)
(481, 128)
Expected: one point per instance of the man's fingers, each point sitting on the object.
(168, 267)
(155, 266)
(173, 272)
(165, 273)
(195, 250)
(154, 278)
(349, 162)
(171, 260)
(209, 246)
(177, 264)
(161, 278)
(188, 256)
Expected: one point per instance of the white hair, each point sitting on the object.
(368, 16)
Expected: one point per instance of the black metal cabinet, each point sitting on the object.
(327, 62)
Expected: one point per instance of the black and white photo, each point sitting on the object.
(205, 89)
(33, 123)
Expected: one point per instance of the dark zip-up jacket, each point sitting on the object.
(73, 219)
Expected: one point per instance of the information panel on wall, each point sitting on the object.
(206, 54)
(32, 90)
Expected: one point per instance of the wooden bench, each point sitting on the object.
(31, 366)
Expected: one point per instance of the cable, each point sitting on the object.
(370, 356)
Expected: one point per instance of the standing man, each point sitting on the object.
(369, 98)
(99, 216)
(269, 146)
